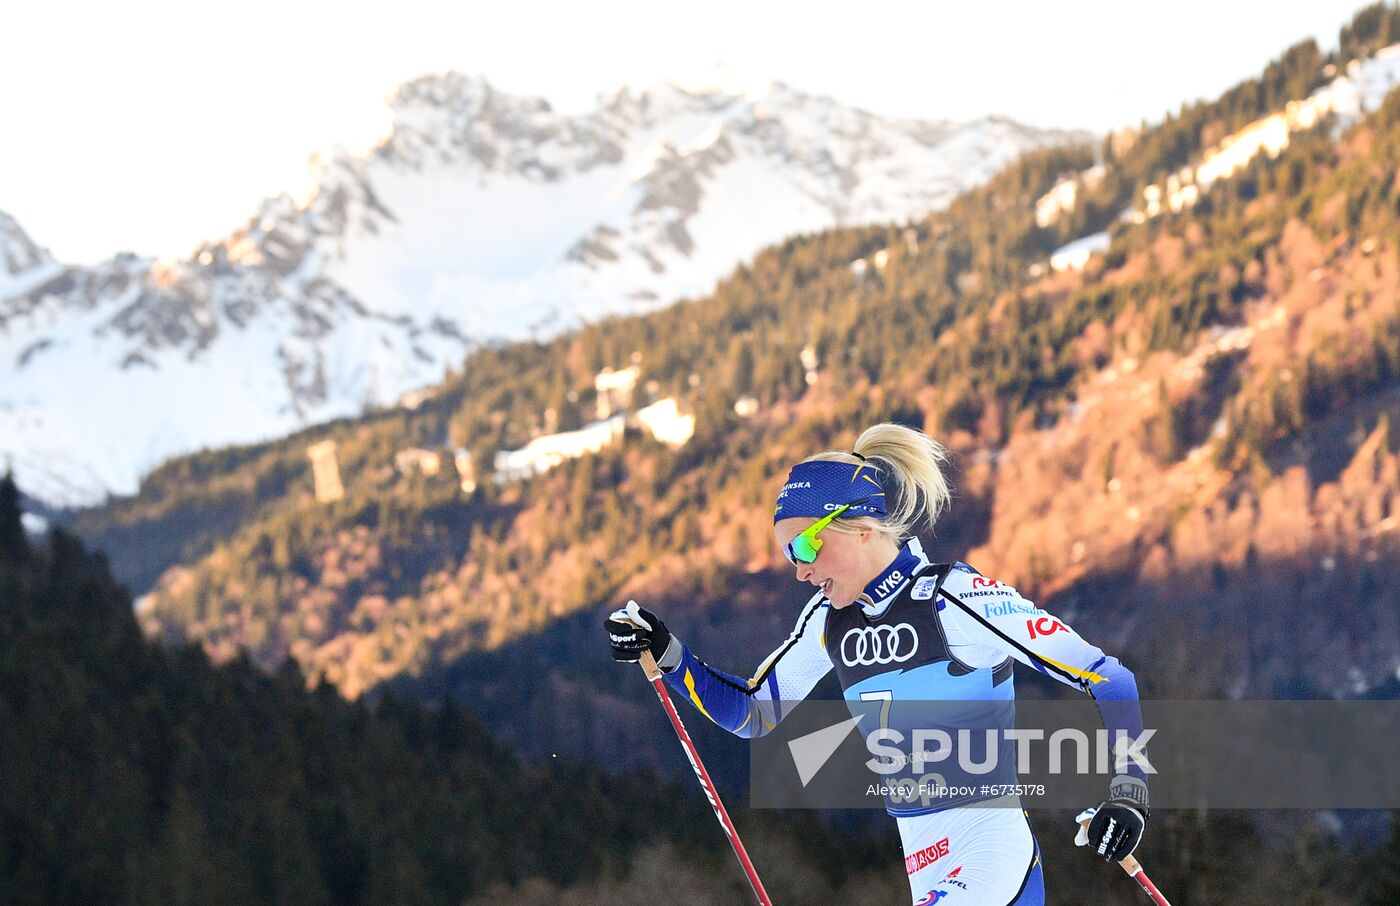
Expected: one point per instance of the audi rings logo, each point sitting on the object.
(867, 645)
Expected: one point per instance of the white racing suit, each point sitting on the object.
(925, 632)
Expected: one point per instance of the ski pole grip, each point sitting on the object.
(649, 667)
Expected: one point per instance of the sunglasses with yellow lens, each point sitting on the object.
(805, 547)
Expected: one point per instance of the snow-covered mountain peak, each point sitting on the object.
(451, 121)
(481, 216)
(449, 89)
(20, 257)
(666, 99)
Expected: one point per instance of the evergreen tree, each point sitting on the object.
(14, 547)
(1384, 887)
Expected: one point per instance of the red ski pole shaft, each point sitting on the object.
(659, 684)
(1134, 870)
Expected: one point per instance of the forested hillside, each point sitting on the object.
(135, 773)
(1190, 436)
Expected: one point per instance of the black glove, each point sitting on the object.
(632, 630)
(1117, 824)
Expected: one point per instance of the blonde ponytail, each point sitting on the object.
(915, 462)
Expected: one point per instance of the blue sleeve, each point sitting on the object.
(1119, 708)
(752, 707)
(727, 700)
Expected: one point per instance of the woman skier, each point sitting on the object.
(897, 627)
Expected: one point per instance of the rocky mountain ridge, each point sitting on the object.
(481, 217)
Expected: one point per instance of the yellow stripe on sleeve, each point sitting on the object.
(1089, 675)
(694, 697)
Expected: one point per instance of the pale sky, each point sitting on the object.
(151, 125)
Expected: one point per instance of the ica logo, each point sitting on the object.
(1044, 626)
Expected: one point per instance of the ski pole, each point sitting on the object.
(1134, 870)
(659, 684)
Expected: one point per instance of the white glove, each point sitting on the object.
(1082, 821)
(632, 613)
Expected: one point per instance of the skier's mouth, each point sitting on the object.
(826, 588)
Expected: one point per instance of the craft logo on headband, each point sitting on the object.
(814, 489)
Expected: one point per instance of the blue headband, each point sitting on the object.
(815, 488)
